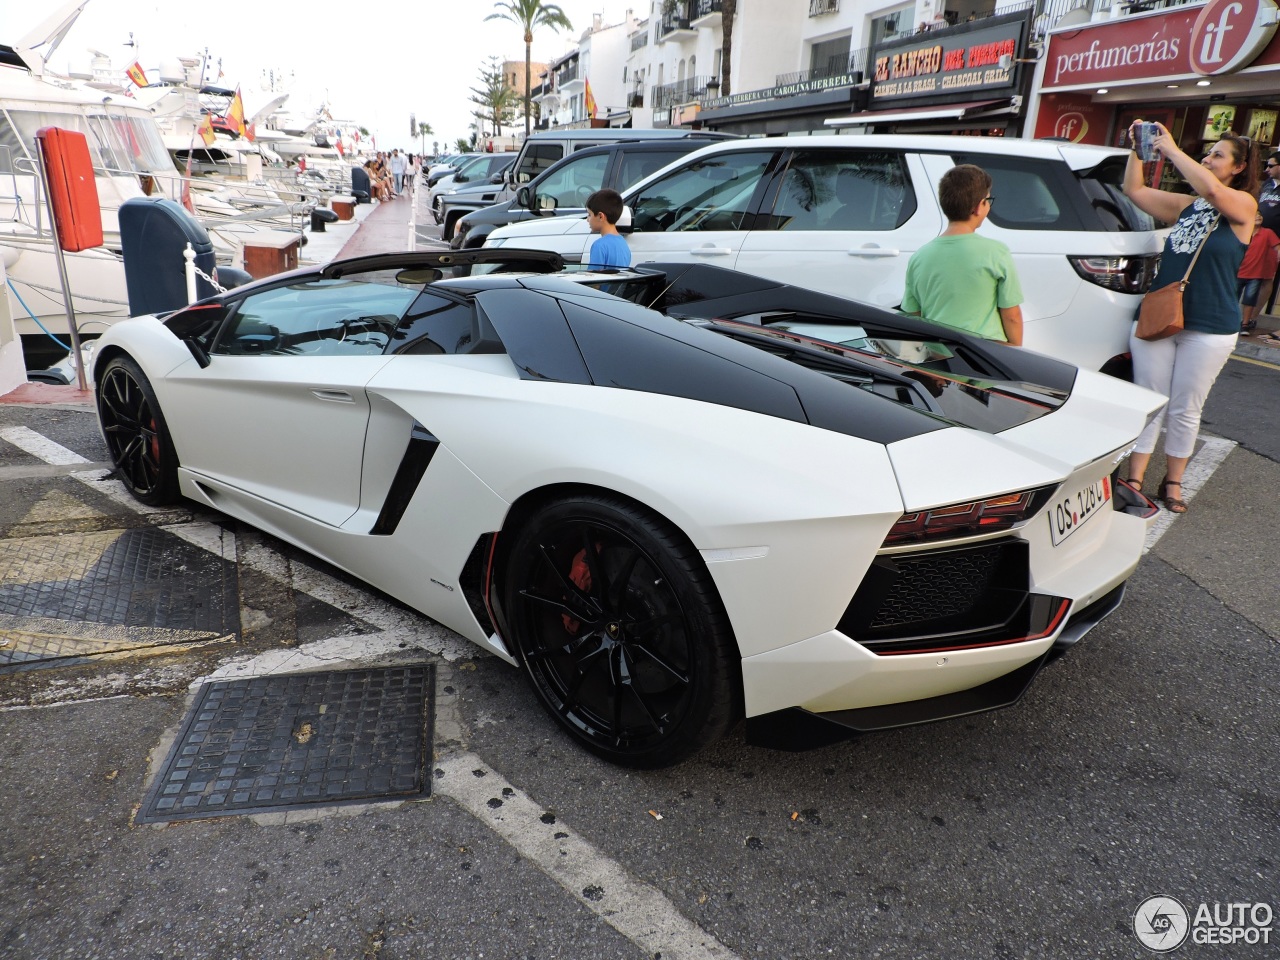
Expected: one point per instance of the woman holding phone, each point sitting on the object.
(1183, 367)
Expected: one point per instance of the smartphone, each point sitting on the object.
(1144, 140)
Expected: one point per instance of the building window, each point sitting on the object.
(891, 25)
(830, 58)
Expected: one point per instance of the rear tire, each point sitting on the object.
(136, 433)
(620, 631)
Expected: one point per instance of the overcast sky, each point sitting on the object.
(377, 61)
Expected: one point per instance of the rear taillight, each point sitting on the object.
(966, 519)
(1122, 274)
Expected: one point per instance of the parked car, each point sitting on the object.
(672, 495)
(844, 214)
(447, 166)
(545, 148)
(562, 189)
(488, 168)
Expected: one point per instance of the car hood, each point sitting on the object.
(541, 227)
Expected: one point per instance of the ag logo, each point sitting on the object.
(1161, 924)
(1229, 34)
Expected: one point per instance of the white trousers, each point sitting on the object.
(1182, 367)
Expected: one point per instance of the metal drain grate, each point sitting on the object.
(312, 739)
(82, 594)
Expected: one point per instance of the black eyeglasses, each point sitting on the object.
(990, 199)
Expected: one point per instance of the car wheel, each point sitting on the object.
(136, 434)
(621, 632)
(437, 207)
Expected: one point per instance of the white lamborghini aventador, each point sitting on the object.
(675, 496)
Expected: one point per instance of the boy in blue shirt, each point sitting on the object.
(604, 207)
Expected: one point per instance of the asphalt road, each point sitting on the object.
(1142, 764)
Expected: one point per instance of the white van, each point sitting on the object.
(844, 214)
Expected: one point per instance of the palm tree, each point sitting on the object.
(728, 10)
(530, 14)
(494, 97)
(424, 131)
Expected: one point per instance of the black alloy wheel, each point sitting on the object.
(136, 434)
(437, 209)
(621, 631)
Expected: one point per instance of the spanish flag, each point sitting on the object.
(206, 130)
(135, 73)
(590, 101)
(236, 115)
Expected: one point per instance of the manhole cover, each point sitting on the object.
(312, 739)
(78, 595)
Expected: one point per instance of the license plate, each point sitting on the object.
(1069, 514)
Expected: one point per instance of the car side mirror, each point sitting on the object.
(524, 198)
(624, 221)
(498, 178)
(546, 203)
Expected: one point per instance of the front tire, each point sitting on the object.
(621, 632)
(437, 207)
(136, 433)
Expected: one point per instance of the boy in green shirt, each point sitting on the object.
(960, 279)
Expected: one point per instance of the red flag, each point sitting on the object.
(302, 163)
(338, 144)
(590, 100)
(136, 73)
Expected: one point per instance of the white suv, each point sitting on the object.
(843, 215)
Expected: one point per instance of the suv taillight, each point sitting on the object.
(1122, 274)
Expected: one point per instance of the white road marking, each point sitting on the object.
(1213, 450)
(638, 911)
(38, 445)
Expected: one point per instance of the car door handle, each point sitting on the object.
(874, 252)
(709, 251)
(334, 396)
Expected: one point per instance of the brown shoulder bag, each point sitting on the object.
(1161, 313)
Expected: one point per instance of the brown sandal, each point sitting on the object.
(1172, 504)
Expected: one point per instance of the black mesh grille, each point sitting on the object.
(936, 587)
(942, 598)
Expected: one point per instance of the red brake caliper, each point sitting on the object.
(580, 574)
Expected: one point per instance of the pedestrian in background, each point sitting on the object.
(1183, 367)
(1269, 207)
(1260, 262)
(604, 207)
(961, 279)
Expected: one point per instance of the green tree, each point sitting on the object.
(463, 144)
(496, 100)
(530, 14)
(424, 131)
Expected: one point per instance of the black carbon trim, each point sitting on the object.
(474, 579)
(422, 447)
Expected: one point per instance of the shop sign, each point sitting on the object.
(957, 62)
(1167, 45)
(784, 90)
(1073, 117)
(1229, 34)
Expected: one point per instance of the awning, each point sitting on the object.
(951, 111)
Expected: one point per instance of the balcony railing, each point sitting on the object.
(676, 16)
(682, 91)
(854, 67)
(705, 8)
(566, 75)
(818, 7)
